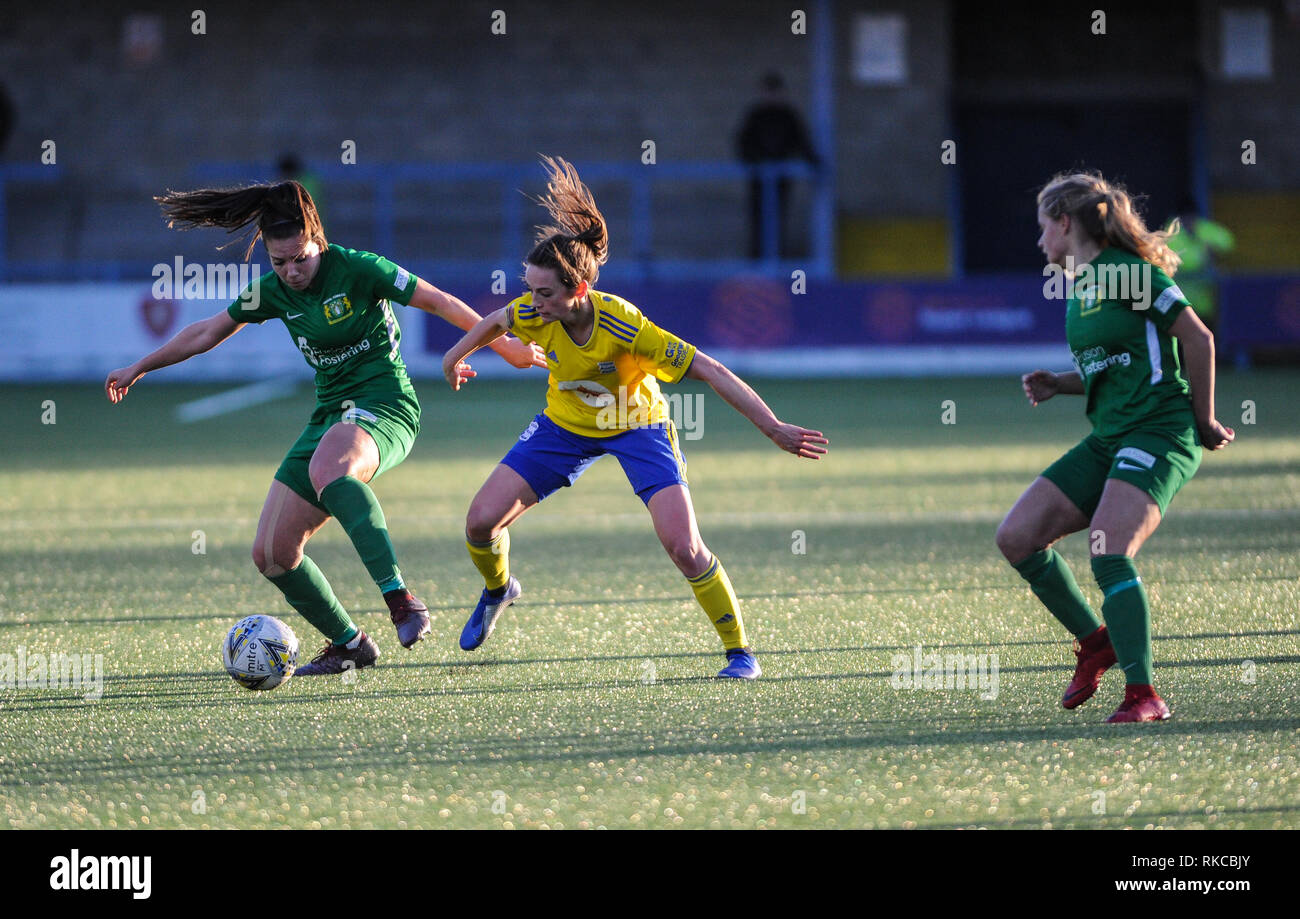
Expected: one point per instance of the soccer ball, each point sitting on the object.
(260, 652)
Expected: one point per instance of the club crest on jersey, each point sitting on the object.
(1088, 302)
(337, 308)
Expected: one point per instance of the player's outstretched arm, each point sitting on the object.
(195, 338)
(1198, 358)
(1041, 385)
(455, 311)
(489, 329)
(736, 392)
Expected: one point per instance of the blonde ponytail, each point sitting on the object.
(1105, 211)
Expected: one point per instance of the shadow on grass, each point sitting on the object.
(165, 699)
(773, 595)
(1101, 821)
(484, 662)
(505, 750)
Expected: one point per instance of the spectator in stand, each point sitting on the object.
(773, 132)
(6, 116)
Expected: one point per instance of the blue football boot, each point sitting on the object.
(741, 665)
(484, 618)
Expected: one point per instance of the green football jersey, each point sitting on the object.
(1117, 325)
(342, 322)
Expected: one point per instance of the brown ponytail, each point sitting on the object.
(280, 211)
(1105, 211)
(578, 244)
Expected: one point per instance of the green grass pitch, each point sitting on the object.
(592, 705)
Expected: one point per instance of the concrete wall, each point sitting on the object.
(1265, 111)
(429, 81)
(405, 81)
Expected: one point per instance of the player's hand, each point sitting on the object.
(522, 355)
(119, 383)
(1215, 436)
(800, 441)
(458, 374)
(1040, 385)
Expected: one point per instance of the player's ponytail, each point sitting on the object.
(1105, 211)
(281, 211)
(578, 243)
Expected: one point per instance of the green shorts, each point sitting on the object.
(392, 418)
(1157, 462)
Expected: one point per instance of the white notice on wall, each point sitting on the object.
(1247, 44)
(880, 48)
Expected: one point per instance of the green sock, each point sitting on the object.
(1053, 583)
(1127, 614)
(310, 594)
(354, 505)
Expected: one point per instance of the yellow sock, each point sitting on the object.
(714, 592)
(492, 559)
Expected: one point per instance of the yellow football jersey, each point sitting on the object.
(609, 384)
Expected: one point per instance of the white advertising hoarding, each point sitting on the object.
(80, 332)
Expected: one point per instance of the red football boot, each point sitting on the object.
(1140, 704)
(1095, 656)
(409, 615)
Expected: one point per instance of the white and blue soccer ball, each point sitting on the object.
(260, 652)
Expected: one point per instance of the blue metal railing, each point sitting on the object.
(9, 174)
(381, 180)
(640, 179)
